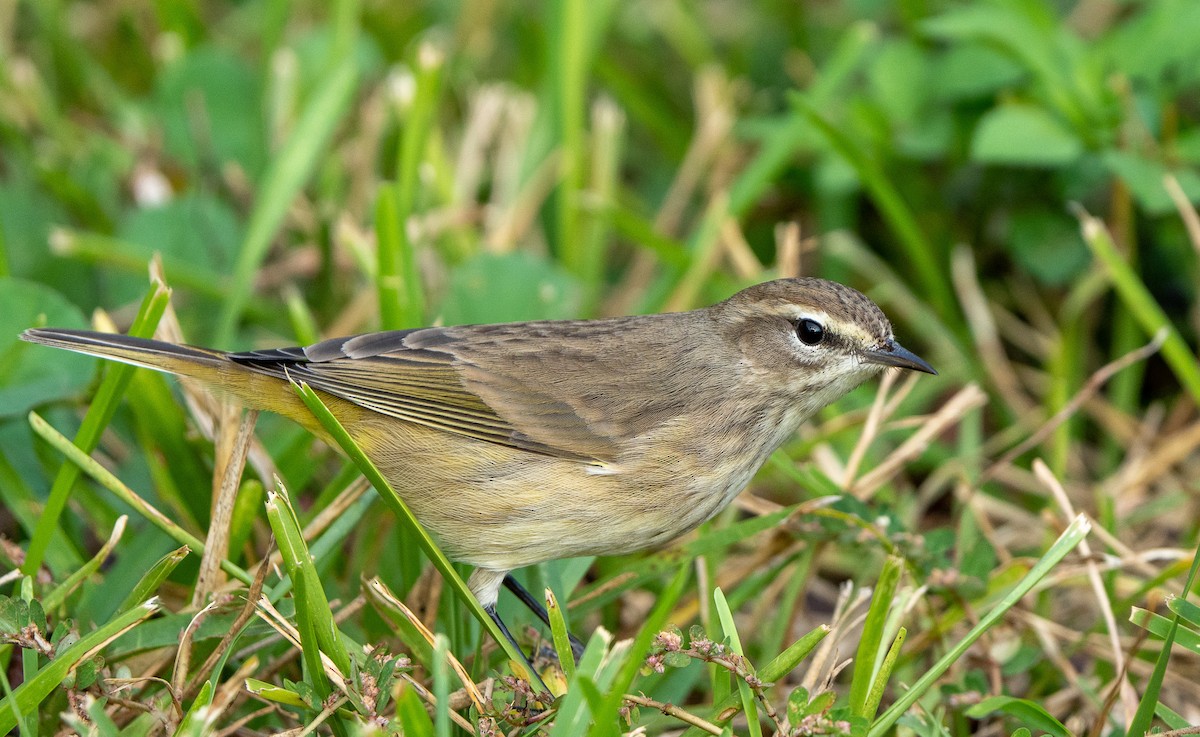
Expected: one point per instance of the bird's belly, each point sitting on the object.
(501, 508)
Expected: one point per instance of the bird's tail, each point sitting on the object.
(184, 360)
(210, 367)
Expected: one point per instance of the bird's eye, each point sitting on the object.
(809, 331)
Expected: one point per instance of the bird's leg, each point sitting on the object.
(491, 610)
(537, 608)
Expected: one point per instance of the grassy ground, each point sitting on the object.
(1005, 547)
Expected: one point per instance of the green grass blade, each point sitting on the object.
(1186, 610)
(735, 644)
(441, 685)
(569, 29)
(918, 250)
(411, 714)
(872, 635)
(1137, 298)
(1065, 543)
(26, 698)
(59, 593)
(401, 297)
(153, 578)
(289, 169)
(313, 612)
(576, 707)
(786, 661)
(606, 717)
(105, 478)
(193, 721)
(405, 515)
(794, 132)
(1147, 706)
(559, 630)
(99, 414)
(871, 706)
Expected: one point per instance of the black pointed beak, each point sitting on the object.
(894, 354)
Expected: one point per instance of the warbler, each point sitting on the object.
(524, 442)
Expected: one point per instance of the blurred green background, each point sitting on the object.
(306, 169)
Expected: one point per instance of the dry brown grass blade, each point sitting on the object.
(967, 399)
(848, 613)
(875, 418)
(481, 127)
(232, 446)
(1129, 700)
(983, 330)
(379, 589)
(674, 711)
(519, 114)
(706, 256)
(715, 117)
(274, 618)
(244, 616)
(1089, 389)
(1187, 213)
(183, 654)
(789, 250)
(513, 224)
(738, 253)
(1171, 450)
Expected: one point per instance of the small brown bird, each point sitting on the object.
(525, 442)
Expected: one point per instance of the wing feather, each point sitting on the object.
(427, 386)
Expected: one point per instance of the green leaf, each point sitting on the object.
(276, 694)
(26, 697)
(899, 80)
(1023, 135)
(14, 614)
(1027, 712)
(797, 705)
(1047, 245)
(1144, 177)
(786, 661)
(31, 375)
(508, 287)
(973, 70)
(209, 103)
(148, 585)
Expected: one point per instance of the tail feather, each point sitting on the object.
(213, 368)
(156, 354)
